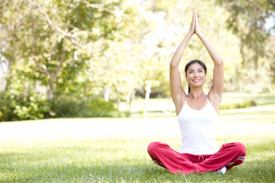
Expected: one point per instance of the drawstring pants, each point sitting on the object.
(229, 155)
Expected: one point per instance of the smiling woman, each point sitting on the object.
(197, 115)
(201, 70)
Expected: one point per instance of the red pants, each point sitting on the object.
(229, 155)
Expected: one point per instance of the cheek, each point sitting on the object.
(203, 75)
(188, 77)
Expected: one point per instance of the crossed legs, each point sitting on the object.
(229, 155)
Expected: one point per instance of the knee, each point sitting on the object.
(152, 147)
(239, 148)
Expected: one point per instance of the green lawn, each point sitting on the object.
(115, 150)
(165, 107)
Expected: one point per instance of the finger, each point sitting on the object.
(194, 15)
(196, 18)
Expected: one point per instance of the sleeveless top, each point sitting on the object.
(198, 129)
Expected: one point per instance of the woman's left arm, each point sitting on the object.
(215, 93)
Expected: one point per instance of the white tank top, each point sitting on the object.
(198, 129)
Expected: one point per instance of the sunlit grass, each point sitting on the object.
(121, 160)
(165, 106)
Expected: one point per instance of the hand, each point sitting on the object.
(197, 27)
(193, 23)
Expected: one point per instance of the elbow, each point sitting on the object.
(219, 62)
(173, 65)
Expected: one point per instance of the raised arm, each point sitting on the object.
(215, 93)
(178, 94)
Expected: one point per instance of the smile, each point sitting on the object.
(196, 80)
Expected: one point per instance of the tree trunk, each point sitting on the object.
(147, 96)
(129, 100)
(118, 98)
(50, 89)
(107, 93)
(54, 76)
(7, 77)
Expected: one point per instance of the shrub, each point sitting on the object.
(31, 107)
(244, 104)
(100, 108)
(73, 107)
(64, 107)
(22, 107)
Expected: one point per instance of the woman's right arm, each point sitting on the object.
(178, 94)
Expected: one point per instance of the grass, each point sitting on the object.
(120, 160)
(165, 106)
(115, 150)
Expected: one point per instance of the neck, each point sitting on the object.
(196, 93)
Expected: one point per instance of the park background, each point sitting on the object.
(85, 58)
(84, 86)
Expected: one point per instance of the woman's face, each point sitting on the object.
(195, 75)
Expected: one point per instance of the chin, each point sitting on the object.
(196, 85)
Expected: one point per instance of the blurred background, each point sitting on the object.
(110, 58)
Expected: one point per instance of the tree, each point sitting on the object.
(253, 23)
(54, 40)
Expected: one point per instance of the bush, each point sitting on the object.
(72, 107)
(244, 104)
(30, 107)
(99, 107)
(20, 107)
(64, 107)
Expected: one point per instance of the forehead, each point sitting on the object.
(195, 66)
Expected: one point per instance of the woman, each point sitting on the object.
(197, 112)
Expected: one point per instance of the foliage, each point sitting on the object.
(72, 107)
(100, 108)
(243, 104)
(52, 46)
(31, 107)
(253, 23)
(22, 107)
(113, 48)
(248, 21)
